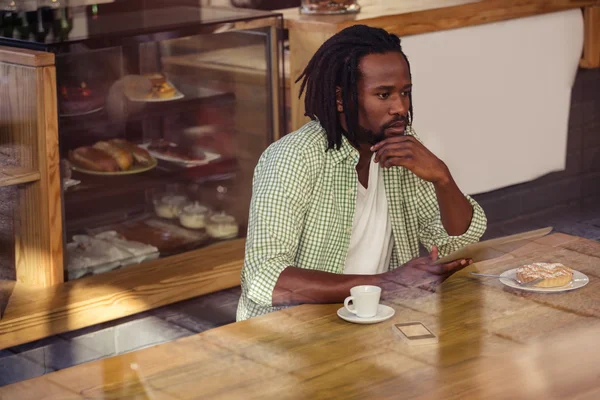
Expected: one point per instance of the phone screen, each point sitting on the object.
(415, 331)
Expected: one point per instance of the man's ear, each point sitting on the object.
(338, 99)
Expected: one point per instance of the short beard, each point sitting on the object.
(365, 136)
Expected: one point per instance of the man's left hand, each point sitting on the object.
(408, 152)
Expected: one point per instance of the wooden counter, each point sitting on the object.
(495, 342)
(30, 313)
(410, 17)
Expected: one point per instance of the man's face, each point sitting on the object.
(383, 96)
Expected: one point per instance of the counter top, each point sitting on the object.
(409, 17)
(494, 342)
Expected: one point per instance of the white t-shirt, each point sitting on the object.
(371, 245)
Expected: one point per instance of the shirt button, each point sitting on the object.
(350, 191)
(348, 230)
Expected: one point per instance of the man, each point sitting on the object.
(347, 198)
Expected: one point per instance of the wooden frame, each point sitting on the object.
(591, 44)
(29, 103)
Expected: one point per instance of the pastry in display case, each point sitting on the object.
(222, 226)
(194, 216)
(148, 132)
(115, 156)
(79, 99)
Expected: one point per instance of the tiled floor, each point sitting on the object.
(195, 315)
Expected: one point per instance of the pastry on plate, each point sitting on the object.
(140, 156)
(162, 91)
(156, 78)
(93, 159)
(552, 274)
(123, 157)
(136, 86)
(114, 155)
(170, 149)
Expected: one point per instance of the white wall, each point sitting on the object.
(493, 100)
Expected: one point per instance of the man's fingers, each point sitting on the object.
(434, 253)
(407, 162)
(456, 265)
(432, 268)
(395, 139)
(442, 269)
(392, 151)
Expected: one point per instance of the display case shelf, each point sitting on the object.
(150, 110)
(10, 176)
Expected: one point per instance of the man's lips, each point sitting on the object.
(397, 127)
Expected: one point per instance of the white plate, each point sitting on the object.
(579, 280)
(77, 114)
(178, 95)
(383, 313)
(210, 157)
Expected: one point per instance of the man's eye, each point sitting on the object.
(405, 94)
(383, 95)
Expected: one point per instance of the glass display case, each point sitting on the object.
(163, 112)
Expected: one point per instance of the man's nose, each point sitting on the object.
(398, 106)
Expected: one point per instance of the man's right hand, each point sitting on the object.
(423, 273)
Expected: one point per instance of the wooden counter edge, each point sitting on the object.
(29, 58)
(438, 19)
(33, 313)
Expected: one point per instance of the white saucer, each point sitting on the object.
(383, 312)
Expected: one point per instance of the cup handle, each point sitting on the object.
(347, 306)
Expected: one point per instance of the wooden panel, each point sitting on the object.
(276, 81)
(18, 145)
(8, 200)
(38, 243)
(25, 57)
(18, 125)
(10, 176)
(410, 17)
(305, 44)
(495, 343)
(33, 313)
(591, 44)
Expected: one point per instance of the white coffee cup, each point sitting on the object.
(365, 300)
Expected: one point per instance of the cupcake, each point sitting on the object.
(194, 216)
(222, 226)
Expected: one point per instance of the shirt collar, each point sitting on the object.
(346, 150)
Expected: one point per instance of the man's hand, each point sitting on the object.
(423, 273)
(408, 152)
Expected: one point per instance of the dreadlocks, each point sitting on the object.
(334, 65)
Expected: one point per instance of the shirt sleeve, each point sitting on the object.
(431, 229)
(281, 189)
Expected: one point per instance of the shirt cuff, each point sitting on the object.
(475, 231)
(263, 285)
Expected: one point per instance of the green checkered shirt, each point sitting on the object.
(302, 209)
